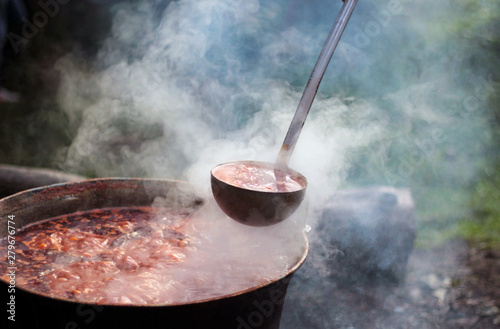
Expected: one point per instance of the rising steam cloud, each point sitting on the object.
(174, 92)
(203, 83)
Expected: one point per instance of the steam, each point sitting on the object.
(230, 257)
(173, 93)
(172, 97)
(223, 258)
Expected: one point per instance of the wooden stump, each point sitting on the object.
(14, 179)
(372, 231)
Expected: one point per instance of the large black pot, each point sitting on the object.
(256, 307)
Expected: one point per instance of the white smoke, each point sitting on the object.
(173, 93)
(175, 96)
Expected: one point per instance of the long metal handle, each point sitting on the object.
(312, 87)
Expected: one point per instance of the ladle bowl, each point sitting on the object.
(252, 207)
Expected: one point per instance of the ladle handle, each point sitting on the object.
(312, 85)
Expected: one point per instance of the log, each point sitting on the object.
(358, 257)
(14, 179)
(370, 233)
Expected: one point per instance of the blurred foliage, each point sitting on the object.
(477, 34)
(438, 211)
(482, 31)
(454, 65)
(483, 226)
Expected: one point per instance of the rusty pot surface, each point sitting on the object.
(256, 307)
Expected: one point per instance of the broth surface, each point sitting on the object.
(137, 255)
(255, 177)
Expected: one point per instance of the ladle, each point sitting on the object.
(265, 205)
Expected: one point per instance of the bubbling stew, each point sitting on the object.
(122, 256)
(255, 177)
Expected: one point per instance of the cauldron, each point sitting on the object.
(255, 307)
